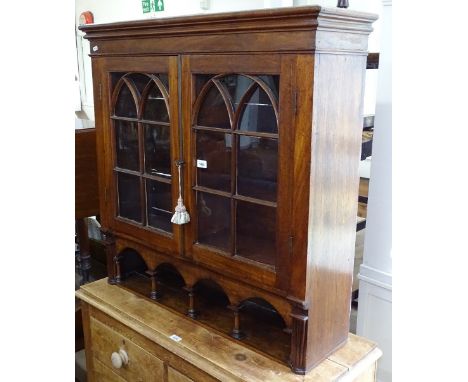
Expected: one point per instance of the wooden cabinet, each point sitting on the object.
(262, 111)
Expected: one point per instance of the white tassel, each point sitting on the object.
(181, 216)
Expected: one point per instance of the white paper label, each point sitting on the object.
(202, 163)
(95, 48)
(175, 338)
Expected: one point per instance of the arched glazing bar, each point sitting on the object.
(257, 86)
(234, 113)
(154, 82)
(122, 84)
(212, 84)
(139, 98)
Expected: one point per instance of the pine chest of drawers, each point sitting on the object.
(130, 338)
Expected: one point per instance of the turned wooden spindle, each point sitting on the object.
(118, 278)
(191, 312)
(236, 332)
(155, 294)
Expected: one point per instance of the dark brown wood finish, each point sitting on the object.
(161, 240)
(86, 175)
(373, 61)
(109, 245)
(86, 193)
(270, 30)
(319, 56)
(191, 273)
(210, 257)
(85, 254)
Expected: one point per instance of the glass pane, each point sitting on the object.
(157, 150)
(214, 220)
(258, 114)
(165, 80)
(257, 167)
(155, 107)
(236, 85)
(214, 160)
(125, 105)
(129, 196)
(159, 205)
(256, 232)
(273, 84)
(140, 80)
(213, 111)
(115, 77)
(126, 144)
(200, 81)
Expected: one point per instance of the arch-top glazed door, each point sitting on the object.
(236, 135)
(141, 128)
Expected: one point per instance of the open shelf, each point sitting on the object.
(262, 325)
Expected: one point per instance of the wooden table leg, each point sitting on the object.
(85, 257)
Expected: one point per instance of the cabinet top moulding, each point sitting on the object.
(301, 29)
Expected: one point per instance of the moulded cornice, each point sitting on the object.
(281, 19)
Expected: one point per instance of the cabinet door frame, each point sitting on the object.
(159, 240)
(272, 278)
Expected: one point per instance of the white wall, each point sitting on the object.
(106, 11)
(375, 287)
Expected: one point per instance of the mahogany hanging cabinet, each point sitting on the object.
(261, 111)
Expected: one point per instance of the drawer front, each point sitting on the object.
(141, 367)
(104, 374)
(175, 376)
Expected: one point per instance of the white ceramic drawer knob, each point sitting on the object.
(119, 359)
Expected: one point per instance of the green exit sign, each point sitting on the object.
(152, 6)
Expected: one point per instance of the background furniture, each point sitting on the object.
(86, 204)
(86, 192)
(265, 110)
(174, 348)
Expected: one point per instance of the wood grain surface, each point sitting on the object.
(151, 326)
(86, 175)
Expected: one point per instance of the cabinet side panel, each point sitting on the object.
(334, 182)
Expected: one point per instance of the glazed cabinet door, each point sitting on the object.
(237, 128)
(139, 144)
